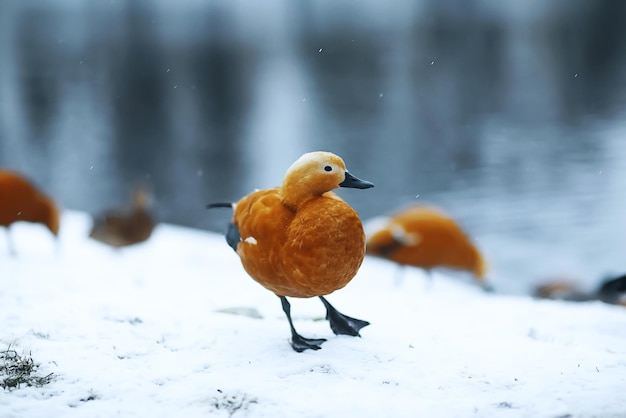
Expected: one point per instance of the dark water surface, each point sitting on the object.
(510, 115)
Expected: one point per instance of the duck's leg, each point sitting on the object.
(430, 280)
(298, 342)
(10, 242)
(340, 323)
(486, 286)
(399, 275)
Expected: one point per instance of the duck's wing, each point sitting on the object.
(261, 215)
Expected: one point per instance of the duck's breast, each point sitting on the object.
(324, 248)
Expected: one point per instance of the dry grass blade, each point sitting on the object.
(17, 370)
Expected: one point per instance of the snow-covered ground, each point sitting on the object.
(175, 327)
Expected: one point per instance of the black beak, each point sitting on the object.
(355, 182)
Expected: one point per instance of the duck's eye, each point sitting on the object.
(328, 168)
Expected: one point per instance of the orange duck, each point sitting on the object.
(301, 239)
(21, 201)
(562, 289)
(424, 237)
(124, 227)
(611, 290)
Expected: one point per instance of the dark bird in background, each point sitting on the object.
(610, 290)
(122, 227)
(21, 201)
(425, 237)
(613, 291)
(302, 240)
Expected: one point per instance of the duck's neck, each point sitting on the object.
(296, 190)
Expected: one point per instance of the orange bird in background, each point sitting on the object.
(21, 201)
(562, 289)
(302, 240)
(127, 226)
(611, 290)
(424, 237)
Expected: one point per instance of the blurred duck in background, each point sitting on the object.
(611, 290)
(20, 200)
(121, 227)
(425, 237)
(562, 289)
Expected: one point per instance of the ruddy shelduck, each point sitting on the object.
(611, 290)
(425, 237)
(125, 226)
(20, 200)
(302, 240)
(562, 289)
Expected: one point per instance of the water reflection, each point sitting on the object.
(507, 114)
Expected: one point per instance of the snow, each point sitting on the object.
(171, 328)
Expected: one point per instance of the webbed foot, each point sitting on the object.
(300, 343)
(342, 324)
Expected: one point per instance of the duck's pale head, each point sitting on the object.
(314, 174)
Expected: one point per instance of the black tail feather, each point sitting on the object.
(219, 205)
(232, 233)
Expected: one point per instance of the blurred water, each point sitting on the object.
(508, 114)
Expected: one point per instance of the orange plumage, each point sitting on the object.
(310, 251)
(21, 201)
(302, 240)
(424, 237)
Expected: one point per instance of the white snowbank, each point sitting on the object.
(138, 333)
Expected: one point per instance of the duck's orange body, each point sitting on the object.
(300, 239)
(424, 237)
(21, 201)
(307, 251)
